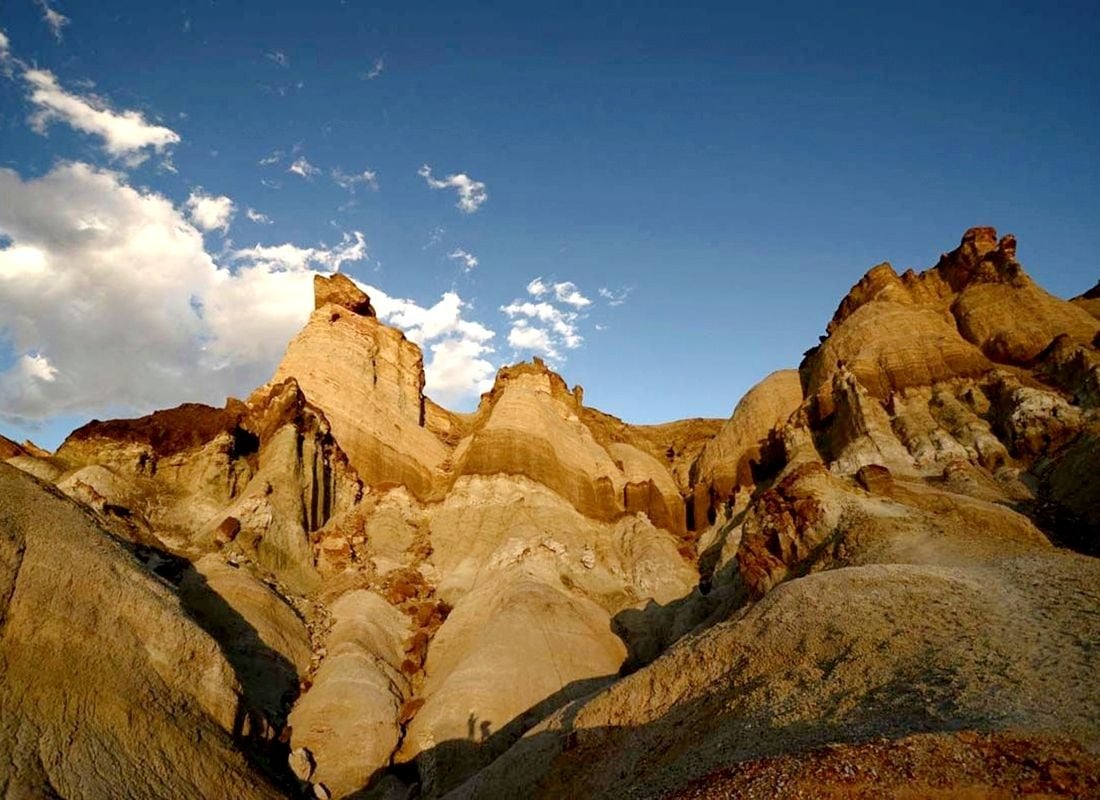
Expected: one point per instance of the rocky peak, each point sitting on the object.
(534, 375)
(341, 290)
(982, 258)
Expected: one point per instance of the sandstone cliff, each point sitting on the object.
(539, 599)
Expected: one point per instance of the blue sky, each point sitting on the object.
(723, 172)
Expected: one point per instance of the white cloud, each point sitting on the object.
(366, 177)
(375, 70)
(5, 48)
(615, 298)
(274, 157)
(471, 193)
(302, 167)
(543, 327)
(279, 57)
(568, 293)
(210, 213)
(284, 257)
(565, 292)
(55, 19)
(469, 260)
(435, 237)
(457, 367)
(257, 217)
(150, 317)
(523, 336)
(125, 134)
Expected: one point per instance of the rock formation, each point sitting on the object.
(341, 589)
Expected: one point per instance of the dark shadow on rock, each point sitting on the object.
(450, 763)
(269, 682)
(655, 759)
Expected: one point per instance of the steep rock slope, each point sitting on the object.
(109, 689)
(876, 580)
(368, 379)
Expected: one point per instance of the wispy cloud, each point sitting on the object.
(471, 193)
(366, 178)
(302, 167)
(376, 69)
(435, 237)
(274, 157)
(615, 297)
(469, 260)
(279, 57)
(565, 292)
(53, 18)
(5, 55)
(125, 134)
(257, 217)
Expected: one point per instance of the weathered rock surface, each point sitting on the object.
(1090, 300)
(539, 599)
(109, 689)
(882, 650)
(368, 379)
(348, 718)
(742, 449)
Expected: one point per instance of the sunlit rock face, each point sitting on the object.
(337, 587)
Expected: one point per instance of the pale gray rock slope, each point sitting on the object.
(107, 687)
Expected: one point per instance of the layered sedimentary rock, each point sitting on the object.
(745, 447)
(268, 469)
(346, 724)
(539, 599)
(368, 379)
(532, 425)
(1090, 300)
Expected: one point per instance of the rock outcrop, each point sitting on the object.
(368, 380)
(109, 688)
(340, 589)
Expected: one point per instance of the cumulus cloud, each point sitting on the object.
(125, 134)
(302, 167)
(5, 48)
(274, 157)
(544, 327)
(457, 350)
(367, 178)
(257, 217)
(523, 336)
(53, 18)
(469, 260)
(109, 300)
(210, 213)
(376, 69)
(471, 193)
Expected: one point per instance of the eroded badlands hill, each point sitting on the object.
(538, 599)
